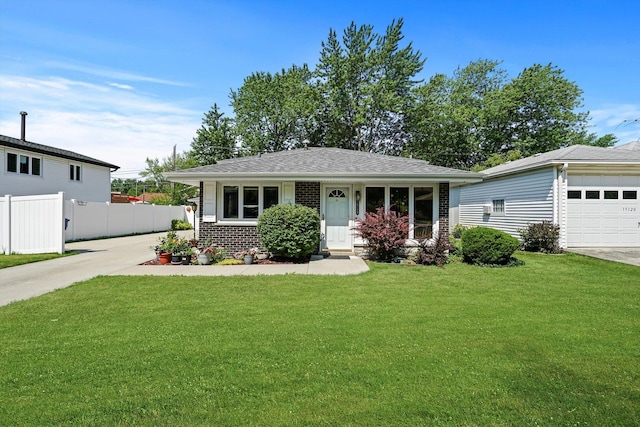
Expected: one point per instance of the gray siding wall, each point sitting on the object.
(528, 198)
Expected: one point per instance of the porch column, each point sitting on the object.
(443, 209)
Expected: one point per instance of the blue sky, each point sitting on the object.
(125, 80)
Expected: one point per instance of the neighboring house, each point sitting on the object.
(592, 193)
(29, 169)
(341, 185)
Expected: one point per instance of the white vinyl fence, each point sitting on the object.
(87, 220)
(43, 223)
(32, 224)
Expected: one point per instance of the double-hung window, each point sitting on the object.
(247, 201)
(498, 206)
(75, 172)
(23, 164)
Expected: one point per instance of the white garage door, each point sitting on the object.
(603, 211)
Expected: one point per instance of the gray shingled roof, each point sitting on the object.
(583, 154)
(321, 162)
(7, 141)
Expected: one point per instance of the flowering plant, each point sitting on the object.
(251, 251)
(216, 252)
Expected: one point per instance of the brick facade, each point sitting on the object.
(443, 207)
(236, 238)
(308, 194)
(233, 238)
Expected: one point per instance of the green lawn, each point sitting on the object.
(554, 342)
(18, 259)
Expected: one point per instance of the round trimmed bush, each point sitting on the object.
(291, 231)
(483, 245)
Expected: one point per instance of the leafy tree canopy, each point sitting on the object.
(365, 94)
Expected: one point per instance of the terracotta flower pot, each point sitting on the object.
(165, 258)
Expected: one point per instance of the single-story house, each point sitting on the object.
(340, 184)
(590, 192)
(30, 169)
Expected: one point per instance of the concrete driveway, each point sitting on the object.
(624, 255)
(123, 256)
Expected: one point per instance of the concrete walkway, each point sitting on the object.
(123, 256)
(623, 255)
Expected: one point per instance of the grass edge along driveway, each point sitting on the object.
(553, 342)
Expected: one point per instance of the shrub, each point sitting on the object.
(177, 224)
(457, 231)
(433, 251)
(384, 233)
(541, 237)
(483, 245)
(291, 231)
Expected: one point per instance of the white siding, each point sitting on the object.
(528, 198)
(454, 207)
(95, 184)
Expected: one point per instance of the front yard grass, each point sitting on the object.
(553, 342)
(14, 260)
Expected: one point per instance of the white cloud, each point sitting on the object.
(121, 86)
(618, 119)
(100, 121)
(109, 73)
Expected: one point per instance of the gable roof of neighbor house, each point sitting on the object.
(321, 163)
(7, 141)
(574, 154)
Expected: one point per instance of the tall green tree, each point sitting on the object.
(452, 121)
(540, 111)
(215, 140)
(276, 111)
(478, 118)
(156, 169)
(366, 82)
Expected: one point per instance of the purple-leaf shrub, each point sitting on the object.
(383, 232)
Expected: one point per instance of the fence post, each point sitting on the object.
(59, 220)
(6, 225)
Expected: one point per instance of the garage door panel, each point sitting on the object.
(603, 222)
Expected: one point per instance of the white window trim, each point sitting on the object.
(242, 221)
(29, 157)
(75, 172)
(495, 212)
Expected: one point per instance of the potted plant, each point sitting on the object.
(249, 255)
(182, 252)
(165, 247)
